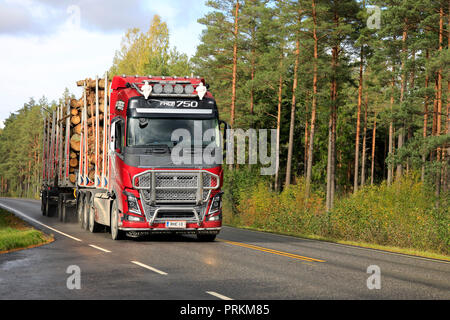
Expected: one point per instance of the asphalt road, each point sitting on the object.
(239, 265)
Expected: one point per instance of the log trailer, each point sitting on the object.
(109, 158)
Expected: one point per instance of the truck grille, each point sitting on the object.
(175, 186)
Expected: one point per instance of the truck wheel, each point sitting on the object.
(49, 208)
(206, 237)
(44, 203)
(64, 211)
(116, 234)
(86, 210)
(93, 226)
(80, 209)
(60, 206)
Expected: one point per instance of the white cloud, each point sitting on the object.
(35, 66)
(43, 51)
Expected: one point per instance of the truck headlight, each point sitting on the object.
(216, 204)
(133, 205)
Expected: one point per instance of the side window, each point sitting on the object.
(119, 136)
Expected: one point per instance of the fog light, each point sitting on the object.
(134, 219)
(216, 217)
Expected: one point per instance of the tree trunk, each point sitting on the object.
(401, 134)
(391, 130)
(374, 135)
(439, 103)
(363, 160)
(425, 119)
(292, 125)
(234, 76)
(313, 103)
(280, 91)
(332, 130)
(358, 121)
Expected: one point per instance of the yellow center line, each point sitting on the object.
(280, 253)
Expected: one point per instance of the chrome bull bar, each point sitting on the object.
(158, 187)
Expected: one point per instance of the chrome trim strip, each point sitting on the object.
(180, 111)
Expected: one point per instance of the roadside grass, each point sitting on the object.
(401, 218)
(15, 234)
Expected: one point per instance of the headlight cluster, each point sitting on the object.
(216, 204)
(133, 205)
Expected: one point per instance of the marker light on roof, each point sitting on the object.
(201, 90)
(158, 88)
(168, 88)
(189, 89)
(179, 89)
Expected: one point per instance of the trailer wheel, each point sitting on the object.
(206, 237)
(64, 211)
(93, 225)
(116, 234)
(80, 209)
(44, 203)
(86, 210)
(50, 208)
(61, 198)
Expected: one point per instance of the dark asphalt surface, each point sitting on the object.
(239, 265)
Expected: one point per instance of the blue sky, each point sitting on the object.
(47, 45)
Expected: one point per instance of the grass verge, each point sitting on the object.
(15, 234)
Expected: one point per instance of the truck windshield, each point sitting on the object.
(142, 132)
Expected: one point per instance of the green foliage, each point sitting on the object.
(148, 53)
(401, 215)
(21, 150)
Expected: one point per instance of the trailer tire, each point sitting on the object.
(116, 234)
(61, 200)
(50, 209)
(64, 211)
(93, 225)
(80, 209)
(86, 212)
(44, 203)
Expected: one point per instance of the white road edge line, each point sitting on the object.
(98, 248)
(218, 295)
(149, 268)
(38, 222)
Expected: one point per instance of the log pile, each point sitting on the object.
(77, 127)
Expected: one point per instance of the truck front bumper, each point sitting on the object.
(205, 227)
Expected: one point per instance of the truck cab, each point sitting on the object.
(165, 157)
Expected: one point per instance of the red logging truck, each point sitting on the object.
(128, 176)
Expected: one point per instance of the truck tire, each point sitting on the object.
(50, 208)
(44, 203)
(80, 209)
(61, 200)
(86, 210)
(93, 225)
(206, 237)
(64, 211)
(116, 234)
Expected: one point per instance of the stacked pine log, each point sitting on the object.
(77, 127)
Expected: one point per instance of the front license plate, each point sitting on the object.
(176, 224)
